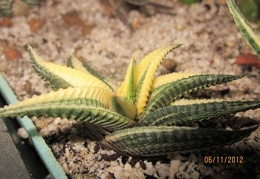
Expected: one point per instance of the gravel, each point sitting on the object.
(211, 43)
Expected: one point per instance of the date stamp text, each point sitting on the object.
(223, 159)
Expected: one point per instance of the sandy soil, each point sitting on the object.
(211, 43)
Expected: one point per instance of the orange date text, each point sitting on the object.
(223, 159)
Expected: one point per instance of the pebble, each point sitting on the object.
(36, 24)
(22, 133)
(150, 170)
(195, 175)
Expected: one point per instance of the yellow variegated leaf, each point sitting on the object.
(162, 80)
(122, 106)
(74, 95)
(126, 90)
(154, 57)
(194, 101)
(145, 72)
(243, 25)
(75, 63)
(56, 75)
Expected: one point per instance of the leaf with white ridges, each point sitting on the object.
(75, 63)
(176, 89)
(85, 95)
(92, 114)
(61, 76)
(122, 106)
(163, 140)
(250, 35)
(126, 90)
(161, 81)
(195, 111)
(145, 72)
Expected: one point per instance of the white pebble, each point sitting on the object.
(22, 133)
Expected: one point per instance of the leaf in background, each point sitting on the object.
(246, 30)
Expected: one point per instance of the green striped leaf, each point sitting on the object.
(173, 91)
(61, 76)
(145, 72)
(163, 140)
(92, 114)
(122, 106)
(195, 111)
(75, 63)
(126, 90)
(246, 30)
(85, 95)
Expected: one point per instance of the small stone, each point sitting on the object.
(28, 87)
(150, 170)
(162, 169)
(174, 167)
(117, 171)
(22, 133)
(137, 165)
(195, 175)
(248, 59)
(128, 167)
(86, 29)
(179, 27)
(72, 19)
(12, 54)
(137, 23)
(184, 166)
(36, 24)
(169, 65)
(6, 22)
(245, 88)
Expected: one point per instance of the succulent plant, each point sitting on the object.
(145, 116)
(244, 26)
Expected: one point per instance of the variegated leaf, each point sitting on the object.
(161, 81)
(92, 114)
(126, 90)
(75, 63)
(173, 91)
(61, 76)
(163, 140)
(189, 111)
(85, 95)
(243, 25)
(122, 106)
(145, 72)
